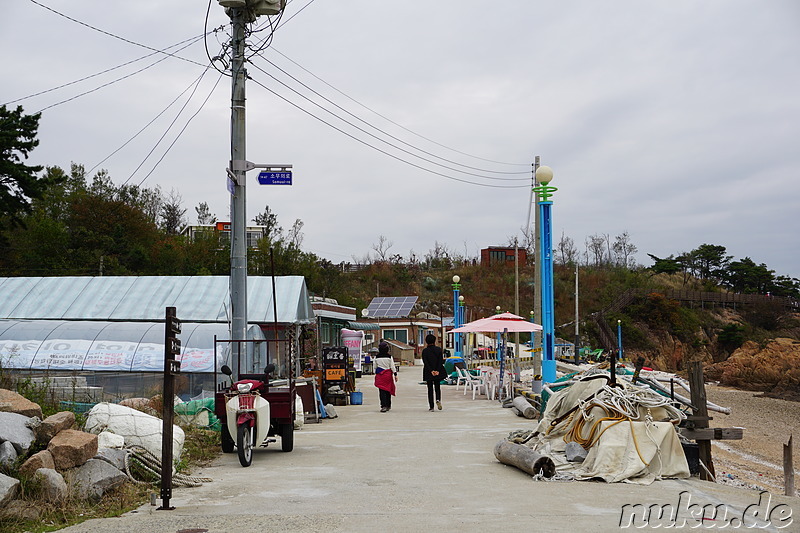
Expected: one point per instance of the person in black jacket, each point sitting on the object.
(433, 370)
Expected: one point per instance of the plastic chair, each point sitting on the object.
(462, 378)
(476, 383)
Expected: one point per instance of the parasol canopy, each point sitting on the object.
(498, 324)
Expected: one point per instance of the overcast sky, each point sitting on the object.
(678, 122)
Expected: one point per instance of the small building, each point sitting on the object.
(503, 254)
(223, 231)
(393, 319)
(331, 319)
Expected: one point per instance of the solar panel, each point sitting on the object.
(391, 306)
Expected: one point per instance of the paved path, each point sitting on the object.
(410, 470)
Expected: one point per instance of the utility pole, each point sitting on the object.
(577, 331)
(241, 12)
(238, 276)
(516, 368)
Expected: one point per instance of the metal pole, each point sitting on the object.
(514, 366)
(456, 317)
(577, 333)
(537, 297)
(238, 275)
(548, 320)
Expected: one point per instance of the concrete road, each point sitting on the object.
(411, 470)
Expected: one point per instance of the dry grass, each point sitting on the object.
(200, 448)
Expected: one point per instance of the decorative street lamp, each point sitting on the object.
(544, 175)
(456, 317)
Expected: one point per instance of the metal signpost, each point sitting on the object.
(172, 367)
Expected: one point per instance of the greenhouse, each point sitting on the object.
(106, 334)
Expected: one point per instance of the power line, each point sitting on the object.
(378, 138)
(118, 79)
(115, 36)
(149, 123)
(183, 129)
(393, 122)
(174, 120)
(193, 39)
(397, 138)
(381, 150)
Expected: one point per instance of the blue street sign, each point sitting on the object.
(283, 177)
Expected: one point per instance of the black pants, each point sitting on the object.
(386, 398)
(434, 385)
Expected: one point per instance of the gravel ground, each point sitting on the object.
(756, 461)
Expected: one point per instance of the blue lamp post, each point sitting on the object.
(544, 175)
(456, 316)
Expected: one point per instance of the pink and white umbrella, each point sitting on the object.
(498, 324)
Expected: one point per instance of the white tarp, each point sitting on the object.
(78, 354)
(629, 433)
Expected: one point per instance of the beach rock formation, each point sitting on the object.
(773, 369)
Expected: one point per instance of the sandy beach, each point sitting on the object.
(756, 460)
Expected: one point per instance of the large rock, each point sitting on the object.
(8, 489)
(53, 424)
(95, 478)
(773, 368)
(72, 448)
(14, 430)
(42, 459)
(20, 511)
(113, 456)
(7, 453)
(106, 439)
(54, 488)
(138, 429)
(12, 402)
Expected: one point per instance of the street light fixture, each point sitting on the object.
(544, 175)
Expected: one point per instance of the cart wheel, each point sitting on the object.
(244, 444)
(227, 440)
(287, 437)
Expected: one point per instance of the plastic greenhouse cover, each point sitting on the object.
(106, 346)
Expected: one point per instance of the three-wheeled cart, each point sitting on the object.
(279, 393)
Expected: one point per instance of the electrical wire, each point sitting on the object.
(180, 133)
(113, 35)
(378, 138)
(381, 150)
(212, 60)
(174, 120)
(390, 120)
(118, 79)
(285, 22)
(394, 137)
(148, 124)
(106, 71)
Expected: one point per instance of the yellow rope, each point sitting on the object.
(635, 443)
(576, 432)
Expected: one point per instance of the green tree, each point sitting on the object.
(668, 265)
(748, 277)
(19, 181)
(711, 261)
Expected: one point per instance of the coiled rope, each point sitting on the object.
(619, 405)
(152, 464)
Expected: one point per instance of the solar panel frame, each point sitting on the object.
(391, 306)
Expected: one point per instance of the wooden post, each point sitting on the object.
(698, 397)
(788, 469)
